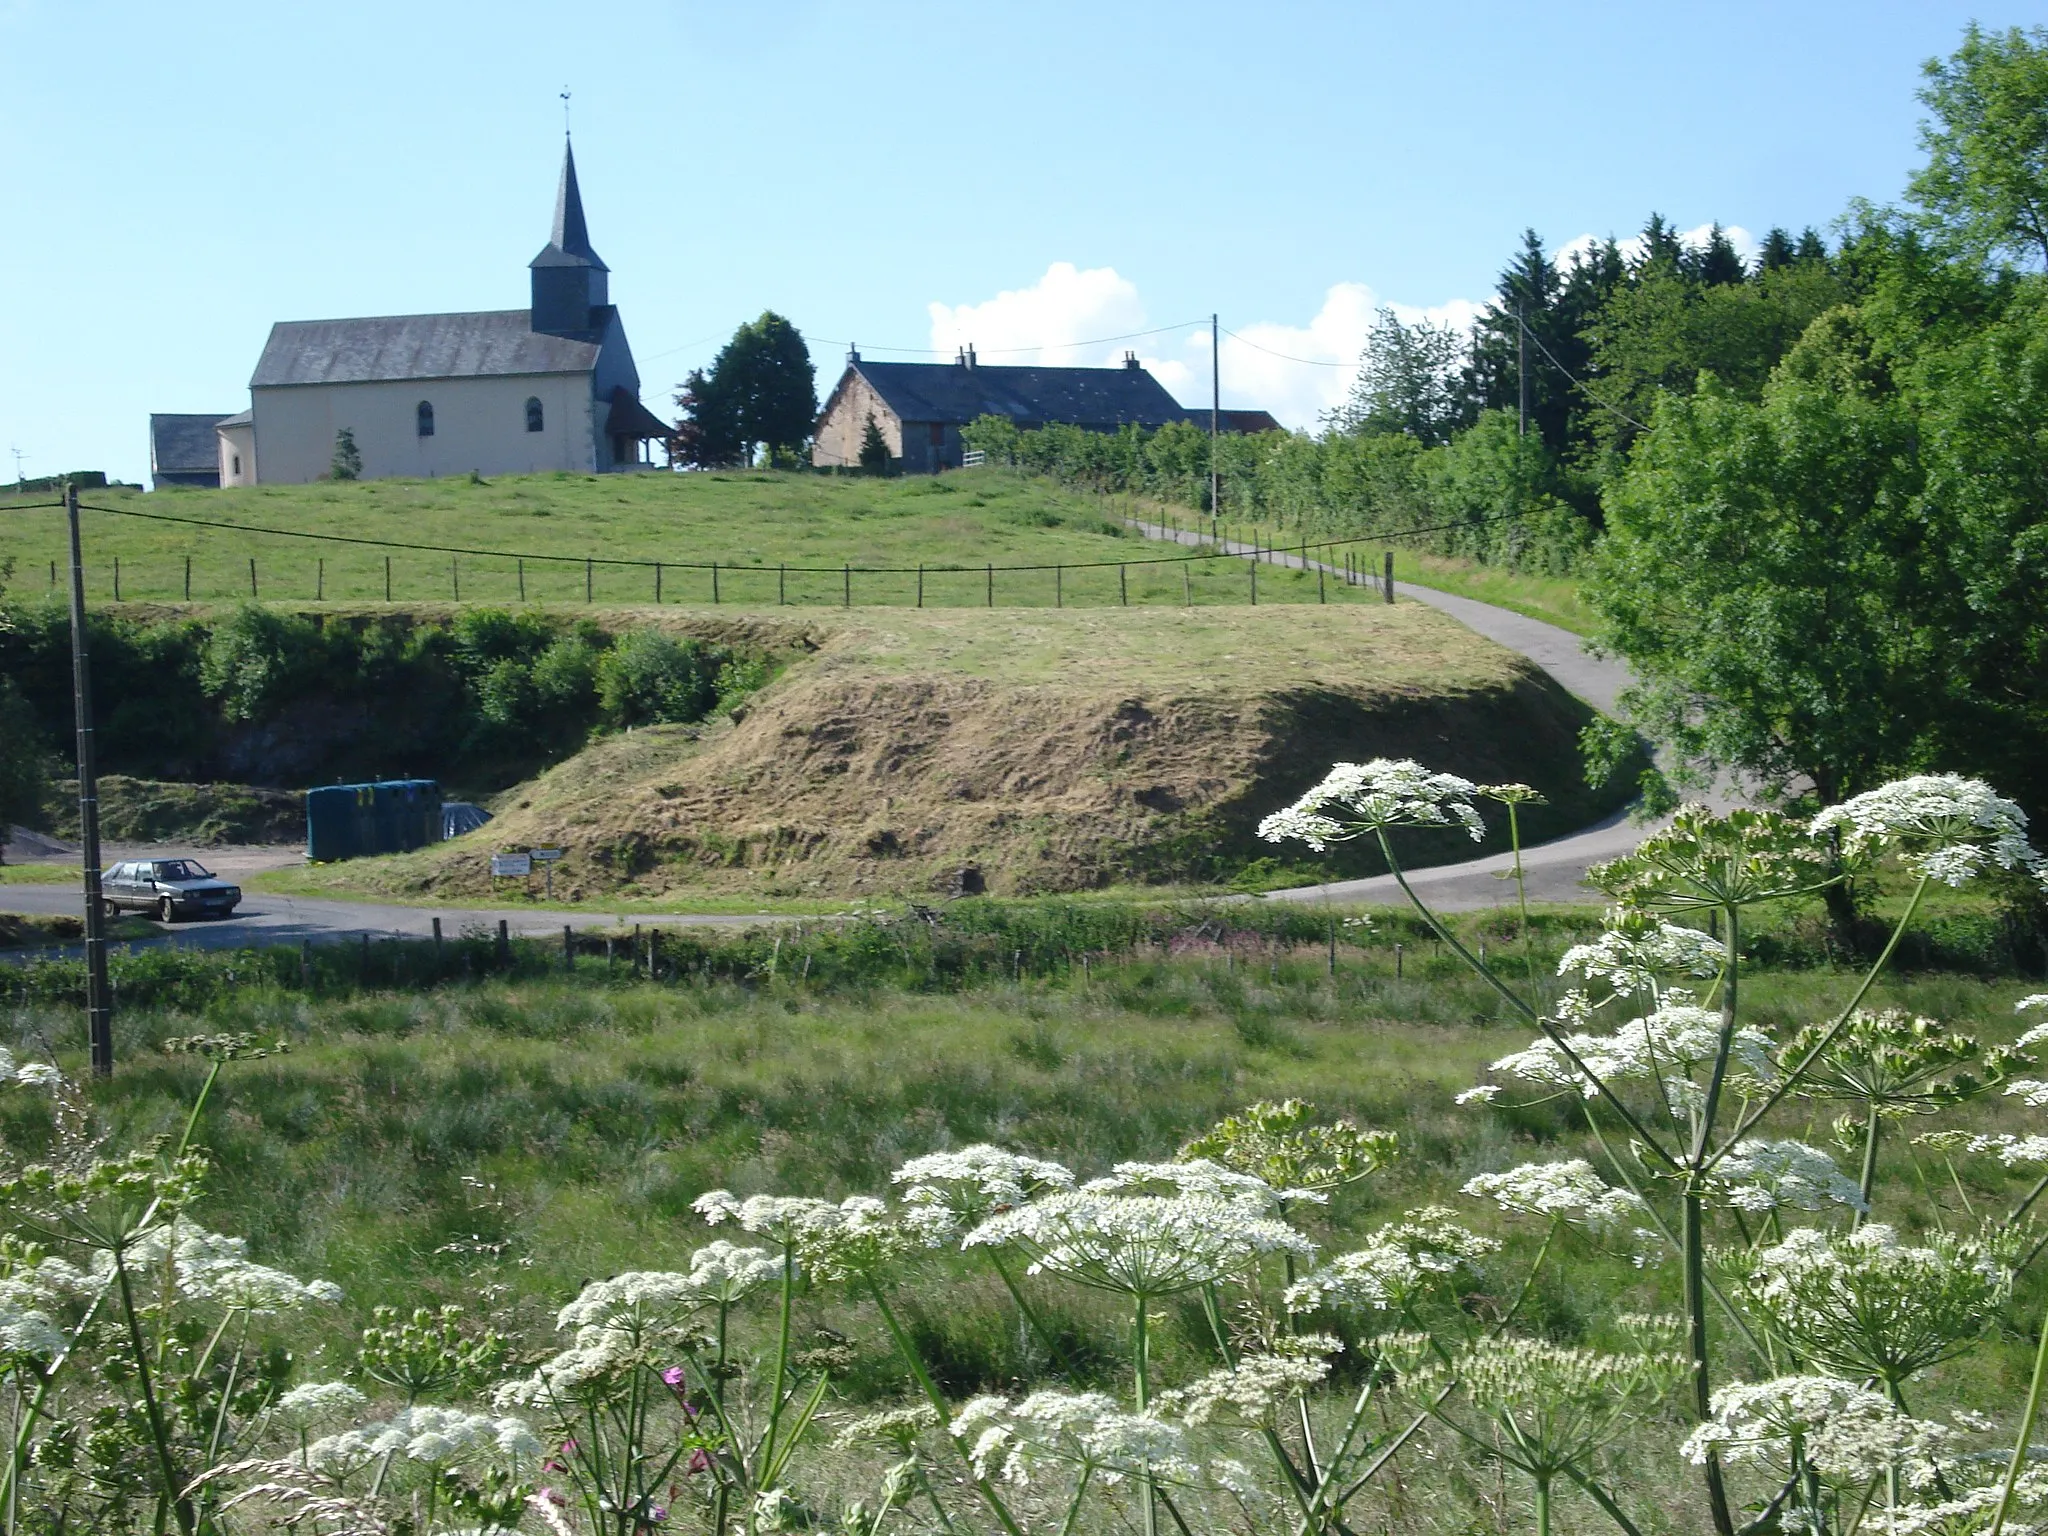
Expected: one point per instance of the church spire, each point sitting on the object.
(571, 235)
(569, 280)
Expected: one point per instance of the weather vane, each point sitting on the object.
(565, 111)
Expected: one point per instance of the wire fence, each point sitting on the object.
(1213, 564)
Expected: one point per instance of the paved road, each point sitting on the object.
(1553, 871)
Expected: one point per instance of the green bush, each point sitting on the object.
(648, 678)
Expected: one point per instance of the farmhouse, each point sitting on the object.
(920, 408)
(507, 391)
(184, 450)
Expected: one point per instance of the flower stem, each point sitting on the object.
(1140, 1350)
(1872, 1123)
(2024, 1443)
(181, 1506)
(767, 1453)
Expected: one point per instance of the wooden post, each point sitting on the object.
(1059, 596)
(387, 578)
(455, 576)
(991, 586)
(1253, 567)
(99, 993)
(438, 970)
(1321, 595)
(117, 578)
(522, 579)
(781, 588)
(920, 584)
(657, 583)
(714, 583)
(588, 579)
(568, 948)
(1390, 575)
(1123, 586)
(252, 576)
(1397, 962)
(305, 965)
(319, 579)
(846, 578)
(504, 944)
(1187, 586)
(188, 578)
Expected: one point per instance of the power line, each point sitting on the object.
(1049, 346)
(1581, 388)
(800, 570)
(1308, 362)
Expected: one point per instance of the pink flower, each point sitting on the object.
(700, 1461)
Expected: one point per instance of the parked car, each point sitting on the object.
(168, 889)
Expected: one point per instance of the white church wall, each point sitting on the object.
(479, 423)
(237, 454)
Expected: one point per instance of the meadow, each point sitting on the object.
(751, 524)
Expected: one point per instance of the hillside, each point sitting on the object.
(1041, 750)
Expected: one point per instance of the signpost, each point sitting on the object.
(519, 866)
(546, 859)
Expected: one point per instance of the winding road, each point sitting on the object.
(1554, 871)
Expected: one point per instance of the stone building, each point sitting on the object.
(921, 407)
(507, 391)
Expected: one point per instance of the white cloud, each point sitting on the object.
(1296, 371)
(1746, 245)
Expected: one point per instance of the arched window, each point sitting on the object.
(426, 418)
(535, 422)
(238, 463)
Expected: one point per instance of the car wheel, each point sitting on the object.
(109, 910)
(165, 912)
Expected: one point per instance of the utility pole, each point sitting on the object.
(1215, 416)
(20, 484)
(1521, 374)
(99, 1009)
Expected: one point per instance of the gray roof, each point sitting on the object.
(569, 242)
(498, 341)
(184, 443)
(1081, 397)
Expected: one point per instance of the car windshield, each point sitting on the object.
(182, 869)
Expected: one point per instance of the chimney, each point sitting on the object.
(853, 352)
(960, 357)
(1130, 359)
(970, 354)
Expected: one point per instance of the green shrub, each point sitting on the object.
(648, 678)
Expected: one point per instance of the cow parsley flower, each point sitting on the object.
(633, 1302)
(1250, 1390)
(1633, 953)
(724, 1272)
(1139, 1245)
(2013, 1151)
(851, 1237)
(423, 1433)
(1944, 826)
(1008, 1441)
(2039, 1032)
(1485, 1093)
(1201, 1177)
(585, 1372)
(1865, 1304)
(1397, 1262)
(39, 1074)
(318, 1402)
(1847, 1433)
(1665, 1047)
(26, 1333)
(1357, 798)
(945, 1191)
(1764, 1176)
(2030, 1091)
(1296, 1154)
(1568, 1191)
(899, 1427)
(208, 1266)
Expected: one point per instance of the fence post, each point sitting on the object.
(1321, 595)
(846, 578)
(504, 944)
(117, 578)
(438, 970)
(1390, 575)
(387, 578)
(522, 579)
(657, 583)
(305, 965)
(1253, 567)
(588, 579)
(252, 575)
(714, 583)
(1123, 586)
(1059, 596)
(455, 576)
(920, 584)
(1187, 587)
(188, 578)
(991, 586)
(568, 948)
(319, 579)
(781, 593)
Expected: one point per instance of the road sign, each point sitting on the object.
(517, 865)
(546, 855)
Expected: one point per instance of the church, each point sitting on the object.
(501, 392)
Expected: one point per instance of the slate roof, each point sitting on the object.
(1081, 397)
(569, 241)
(492, 342)
(184, 444)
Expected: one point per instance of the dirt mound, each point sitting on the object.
(888, 764)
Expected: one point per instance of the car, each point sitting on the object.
(168, 889)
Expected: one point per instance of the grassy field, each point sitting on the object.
(748, 522)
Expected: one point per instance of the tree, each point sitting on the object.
(24, 760)
(1986, 178)
(347, 463)
(761, 391)
(874, 448)
(1411, 379)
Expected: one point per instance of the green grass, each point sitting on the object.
(749, 522)
(38, 874)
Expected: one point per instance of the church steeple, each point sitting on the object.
(569, 278)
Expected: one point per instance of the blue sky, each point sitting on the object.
(177, 177)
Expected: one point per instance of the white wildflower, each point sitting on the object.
(208, 1266)
(1630, 962)
(723, 1272)
(1201, 1177)
(316, 1402)
(1142, 1245)
(1398, 1261)
(1848, 1432)
(776, 1509)
(633, 1301)
(1485, 1093)
(852, 1236)
(39, 1074)
(1944, 826)
(2030, 1091)
(1081, 1430)
(1568, 1191)
(1665, 1047)
(1251, 1389)
(896, 1426)
(1764, 1176)
(438, 1436)
(973, 1183)
(1357, 798)
(587, 1367)
(2013, 1151)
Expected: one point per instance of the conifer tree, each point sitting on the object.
(347, 463)
(874, 449)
